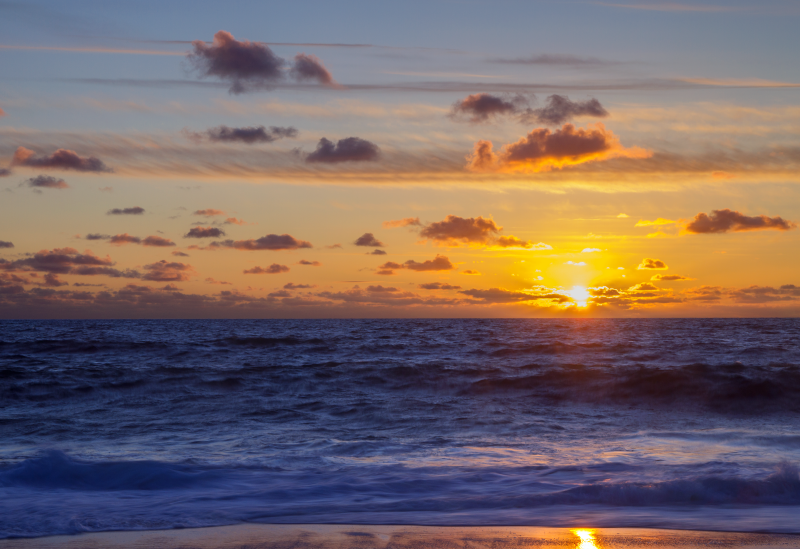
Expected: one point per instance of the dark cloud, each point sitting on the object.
(482, 107)
(512, 241)
(766, 294)
(268, 242)
(177, 253)
(246, 65)
(405, 222)
(440, 263)
(204, 232)
(164, 271)
(723, 221)
(62, 159)
(560, 109)
(136, 210)
(52, 280)
(377, 252)
(351, 149)
(500, 295)
(210, 212)
(311, 263)
(158, 241)
(438, 286)
(368, 239)
(105, 271)
(309, 67)
(455, 230)
(46, 182)
(97, 236)
(652, 264)
(125, 238)
(272, 269)
(293, 286)
(250, 135)
(59, 260)
(4, 244)
(5, 172)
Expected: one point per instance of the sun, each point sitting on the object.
(580, 294)
(587, 540)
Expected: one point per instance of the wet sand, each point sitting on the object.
(267, 536)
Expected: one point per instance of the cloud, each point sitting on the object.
(455, 230)
(47, 182)
(439, 263)
(177, 253)
(293, 286)
(136, 210)
(249, 135)
(272, 269)
(405, 222)
(62, 159)
(5, 172)
(158, 241)
(543, 150)
(58, 260)
(482, 107)
(590, 250)
(268, 242)
(210, 280)
(766, 294)
(514, 242)
(553, 60)
(246, 65)
(501, 295)
(351, 149)
(121, 239)
(252, 65)
(652, 264)
(438, 286)
(377, 252)
(309, 67)
(204, 232)
(210, 212)
(234, 221)
(654, 223)
(368, 239)
(723, 221)
(470, 272)
(560, 109)
(125, 238)
(643, 287)
(4, 244)
(311, 263)
(2, 112)
(666, 278)
(576, 264)
(164, 271)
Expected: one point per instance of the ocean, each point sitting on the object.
(137, 425)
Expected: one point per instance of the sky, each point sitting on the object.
(355, 159)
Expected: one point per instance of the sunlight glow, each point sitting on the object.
(581, 296)
(587, 539)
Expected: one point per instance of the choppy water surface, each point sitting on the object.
(160, 424)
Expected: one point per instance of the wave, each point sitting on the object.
(54, 493)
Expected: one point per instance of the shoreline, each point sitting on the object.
(349, 536)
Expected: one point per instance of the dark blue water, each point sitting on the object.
(159, 424)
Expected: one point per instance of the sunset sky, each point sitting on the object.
(414, 159)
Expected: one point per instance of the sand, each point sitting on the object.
(267, 536)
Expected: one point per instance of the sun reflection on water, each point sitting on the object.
(587, 540)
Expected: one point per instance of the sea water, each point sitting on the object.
(679, 423)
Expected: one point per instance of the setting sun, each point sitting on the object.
(580, 294)
(587, 539)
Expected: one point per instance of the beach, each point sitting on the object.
(253, 536)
